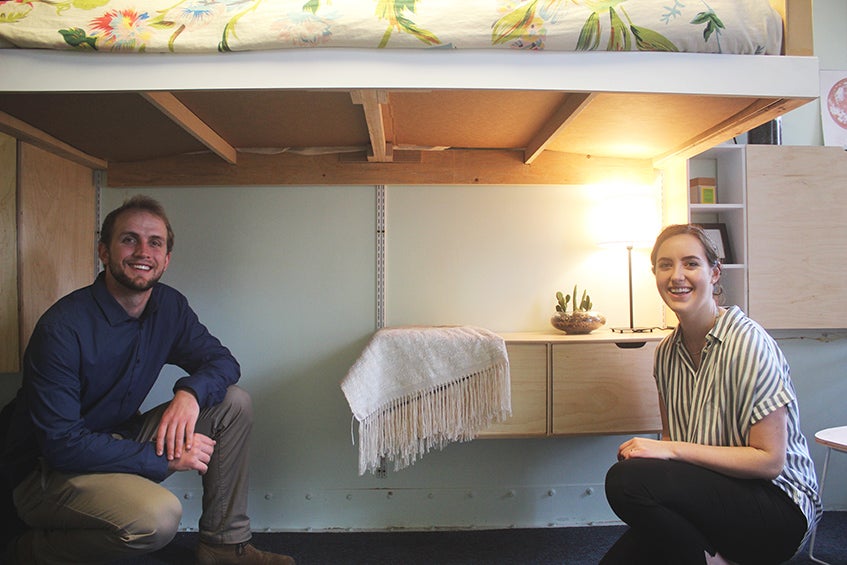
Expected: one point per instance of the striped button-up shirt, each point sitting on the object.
(743, 377)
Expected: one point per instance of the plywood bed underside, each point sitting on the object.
(395, 117)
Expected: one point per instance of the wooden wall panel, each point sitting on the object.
(796, 232)
(9, 361)
(56, 231)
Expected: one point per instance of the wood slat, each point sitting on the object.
(372, 102)
(25, 132)
(573, 105)
(169, 105)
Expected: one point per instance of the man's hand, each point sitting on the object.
(195, 458)
(176, 429)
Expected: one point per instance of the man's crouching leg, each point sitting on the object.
(224, 524)
(93, 518)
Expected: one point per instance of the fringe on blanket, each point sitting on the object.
(411, 426)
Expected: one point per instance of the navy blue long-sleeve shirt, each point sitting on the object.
(87, 369)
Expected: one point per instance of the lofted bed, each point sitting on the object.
(530, 92)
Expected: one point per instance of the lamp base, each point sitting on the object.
(632, 330)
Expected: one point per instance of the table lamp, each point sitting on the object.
(632, 328)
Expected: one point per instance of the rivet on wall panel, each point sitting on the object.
(551, 492)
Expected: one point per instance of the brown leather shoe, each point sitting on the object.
(19, 550)
(238, 554)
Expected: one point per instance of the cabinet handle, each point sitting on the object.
(630, 344)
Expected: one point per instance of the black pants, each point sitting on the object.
(677, 511)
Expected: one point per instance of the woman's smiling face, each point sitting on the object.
(684, 277)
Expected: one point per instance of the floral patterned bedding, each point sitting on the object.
(197, 26)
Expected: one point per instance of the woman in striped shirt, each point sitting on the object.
(731, 479)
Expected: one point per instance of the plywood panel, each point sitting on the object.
(599, 388)
(56, 231)
(528, 372)
(471, 119)
(9, 361)
(629, 125)
(797, 226)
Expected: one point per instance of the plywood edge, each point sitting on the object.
(9, 338)
(798, 28)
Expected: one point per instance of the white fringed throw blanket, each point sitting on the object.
(418, 388)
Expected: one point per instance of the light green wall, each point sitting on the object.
(286, 278)
(494, 256)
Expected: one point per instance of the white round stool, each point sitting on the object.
(832, 438)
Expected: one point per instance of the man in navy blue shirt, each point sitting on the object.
(84, 463)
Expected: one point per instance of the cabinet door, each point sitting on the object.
(528, 373)
(797, 223)
(599, 388)
(56, 231)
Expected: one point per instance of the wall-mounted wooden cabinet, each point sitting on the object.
(580, 385)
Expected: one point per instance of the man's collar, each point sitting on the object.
(111, 308)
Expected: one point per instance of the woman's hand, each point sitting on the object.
(644, 448)
(762, 458)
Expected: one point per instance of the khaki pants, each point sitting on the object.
(94, 518)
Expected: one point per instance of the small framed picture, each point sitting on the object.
(718, 234)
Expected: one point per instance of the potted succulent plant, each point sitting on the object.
(581, 319)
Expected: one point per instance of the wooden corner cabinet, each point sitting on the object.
(599, 383)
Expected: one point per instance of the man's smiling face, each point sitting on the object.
(137, 256)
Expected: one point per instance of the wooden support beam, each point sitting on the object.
(567, 112)
(22, 131)
(170, 105)
(372, 102)
(458, 166)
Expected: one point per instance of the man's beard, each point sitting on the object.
(124, 280)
